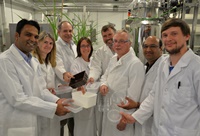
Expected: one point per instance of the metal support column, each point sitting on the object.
(194, 25)
(2, 21)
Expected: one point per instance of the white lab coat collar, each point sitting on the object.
(107, 49)
(155, 65)
(64, 43)
(18, 56)
(183, 62)
(124, 59)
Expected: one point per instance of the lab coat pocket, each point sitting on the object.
(181, 96)
(185, 132)
(25, 131)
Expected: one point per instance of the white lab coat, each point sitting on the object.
(175, 107)
(79, 65)
(99, 62)
(150, 77)
(49, 127)
(125, 75)
(22, 95)
(64, 57)
(84, 121)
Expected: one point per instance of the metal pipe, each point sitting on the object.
(194, 24)
(3, 21)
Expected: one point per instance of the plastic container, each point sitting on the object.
(94, 87)
(104, 102)
(63, 90)
(114, 115)
(86, 100)
(118, 97)
(72, 107)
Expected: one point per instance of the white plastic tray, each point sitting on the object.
(86, 100)
(73, 107)
(94, 87)
(63, 90)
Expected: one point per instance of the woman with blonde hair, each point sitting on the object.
(46, 54)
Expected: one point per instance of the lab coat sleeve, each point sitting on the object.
(75, 68)
(103, 79)
(60, 68)
(96, 66)
(136, 77)
(12, 90)
(197, 84)
(146, 108)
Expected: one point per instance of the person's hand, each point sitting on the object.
(90, 80)
(131, 104)
(61, 110)
(52, 91)
(121, 126)
(82, 89)
(67, 76)
(103, 90)
(127, 118)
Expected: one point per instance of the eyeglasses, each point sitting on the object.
(120, 41)
(151, 46)
(85, 46)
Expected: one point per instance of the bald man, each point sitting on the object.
(152, 50)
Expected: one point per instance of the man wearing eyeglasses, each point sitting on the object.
(152, 50)
(174, 98)
(125, 74)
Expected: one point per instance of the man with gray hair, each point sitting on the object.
(124, 75)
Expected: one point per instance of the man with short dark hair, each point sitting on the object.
(152, 51)
(102, 56)
(23, 92)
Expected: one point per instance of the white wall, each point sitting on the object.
(103, 18)
(12, 14)
(99, 18)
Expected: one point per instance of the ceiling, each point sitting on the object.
(77, 5)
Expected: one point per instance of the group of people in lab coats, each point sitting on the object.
(162, 98)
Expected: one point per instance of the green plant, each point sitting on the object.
(81, 25)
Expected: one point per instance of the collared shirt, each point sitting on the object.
(26, 58)
(67, 44)
(149, 66)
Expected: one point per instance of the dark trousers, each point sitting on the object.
(70, 124)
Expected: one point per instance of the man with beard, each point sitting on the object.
(99, 63)
(175, 98)
(102, 56)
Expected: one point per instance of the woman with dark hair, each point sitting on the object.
(84, 52)
(84, 121)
